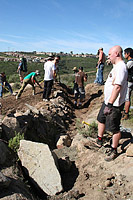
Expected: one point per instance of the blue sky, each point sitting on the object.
(81, 26)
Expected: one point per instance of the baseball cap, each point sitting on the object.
(81, 68)
(37, 72)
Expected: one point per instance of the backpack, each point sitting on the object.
(24, 65)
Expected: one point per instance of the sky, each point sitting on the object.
(81, 26)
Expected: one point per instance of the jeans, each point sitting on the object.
(79, 92)
(1, 89)
(9, 87)
(97, 79)
(99, 74)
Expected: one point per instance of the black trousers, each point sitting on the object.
(47, 89)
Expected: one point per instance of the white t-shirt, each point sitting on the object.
(49, 67)
(118, 75)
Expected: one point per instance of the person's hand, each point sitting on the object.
(108, 109)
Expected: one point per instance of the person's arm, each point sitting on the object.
(37, 82)
(54, 73)
(115, 93)
(85, 77)
(19, 67)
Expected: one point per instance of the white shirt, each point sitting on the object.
(49, 67)
(118, 75)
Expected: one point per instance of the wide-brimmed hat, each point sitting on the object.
(75, 69)
(37, 72)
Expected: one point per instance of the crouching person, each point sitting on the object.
(29, 79)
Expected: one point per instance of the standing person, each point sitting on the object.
(97, 79)
(75, 70)
(56, 61)
(1, 85)
(80, 77)
(128, 53)
(29, 79)
(114, 97)
(100, 67)
(50, 71)
(20, 71)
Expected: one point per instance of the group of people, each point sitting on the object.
(50, 68)
(117, 91)
(117, 94)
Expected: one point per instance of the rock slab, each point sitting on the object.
(39, 162)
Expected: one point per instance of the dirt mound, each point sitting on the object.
(96, 179)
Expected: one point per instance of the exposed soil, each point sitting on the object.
(97, 179)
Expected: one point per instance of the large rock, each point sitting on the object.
(40, 164)
(129, 151)
(10, 125)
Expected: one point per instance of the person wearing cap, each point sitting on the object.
(100, 66)
(80, 77)
(50, 72)
(20, 71)
(29, 79)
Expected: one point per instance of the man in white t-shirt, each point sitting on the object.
(50, 70)
(114, 97)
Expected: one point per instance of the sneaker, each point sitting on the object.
(96, 142)
(46, 100)
(13, 94)
(17, 97)
(112, 154)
